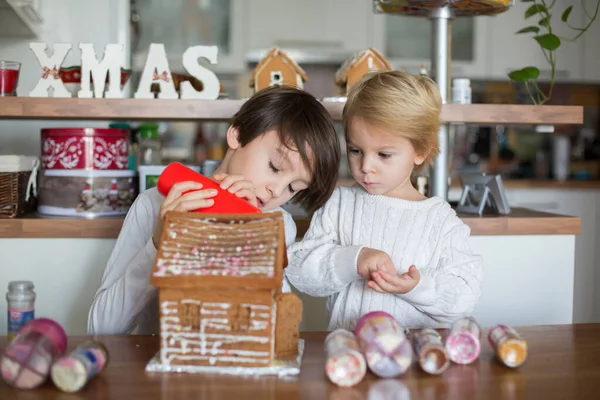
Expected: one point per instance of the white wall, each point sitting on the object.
(70, 21)
(66, 274)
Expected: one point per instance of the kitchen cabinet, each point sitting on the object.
(336, 28)
(585, 205)
(591, 50)
(596, 316)
(62, 23)
(20, 18)
(406, 42)
(181, 24)
(511, 51)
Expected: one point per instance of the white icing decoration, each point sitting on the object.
(273, 322)
(179, 344)
(241, 248)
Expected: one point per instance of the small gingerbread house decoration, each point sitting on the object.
(355, 67)
(219, 278)
(276, 68)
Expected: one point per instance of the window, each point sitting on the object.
(410, 38)
(179, 24)
(276, 78)
(240, 319)
(189, 315)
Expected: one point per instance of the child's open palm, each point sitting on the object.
(386, 281)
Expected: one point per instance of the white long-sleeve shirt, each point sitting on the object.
(126, 300)
(427, 234)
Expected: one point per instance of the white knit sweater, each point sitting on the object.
(425, 233)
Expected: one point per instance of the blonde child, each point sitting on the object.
(381, 245)
(282, 146)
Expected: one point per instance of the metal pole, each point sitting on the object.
(441, 51)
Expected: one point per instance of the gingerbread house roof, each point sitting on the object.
(274, 52)
(341, 75)
(221, 250)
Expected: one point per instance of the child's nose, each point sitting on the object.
(366, 165)
(275, 189)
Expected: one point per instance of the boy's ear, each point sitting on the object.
(232, 138)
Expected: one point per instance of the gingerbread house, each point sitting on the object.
(219, 278)
(276, 68)
(355, 67)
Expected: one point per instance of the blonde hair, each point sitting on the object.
(405, 104)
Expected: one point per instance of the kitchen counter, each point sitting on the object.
(545, 184)
(520, 252)
(524, 184)
(519, 222)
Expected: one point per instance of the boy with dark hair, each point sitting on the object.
(282, 146)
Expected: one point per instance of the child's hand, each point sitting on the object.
(386, 282)
(371, 260)
(177, 201)
(237, 185)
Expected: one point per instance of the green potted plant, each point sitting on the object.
(549, 42)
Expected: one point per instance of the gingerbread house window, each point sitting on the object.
(189, 316)
(370, 64)
(276, 78)
(240, 320)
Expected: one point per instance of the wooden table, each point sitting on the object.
(563, 363)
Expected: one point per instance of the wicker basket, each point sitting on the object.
(14, 201)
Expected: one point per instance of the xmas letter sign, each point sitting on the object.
(156, 70)
(110, 64)
(50, 67)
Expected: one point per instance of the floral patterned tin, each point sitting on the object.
(85, 148)
(86, 194)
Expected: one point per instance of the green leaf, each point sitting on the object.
(524, 74)
(533, 29)
(534, 9)
(548, 41)
(531, 72)
(545, 21)
(566, 13)
(517, 76)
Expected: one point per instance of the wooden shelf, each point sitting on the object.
(45, 227)
(187, 110)
(520, 222)
(546, 184)
(512, 114)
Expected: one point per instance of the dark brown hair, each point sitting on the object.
(304, 125)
